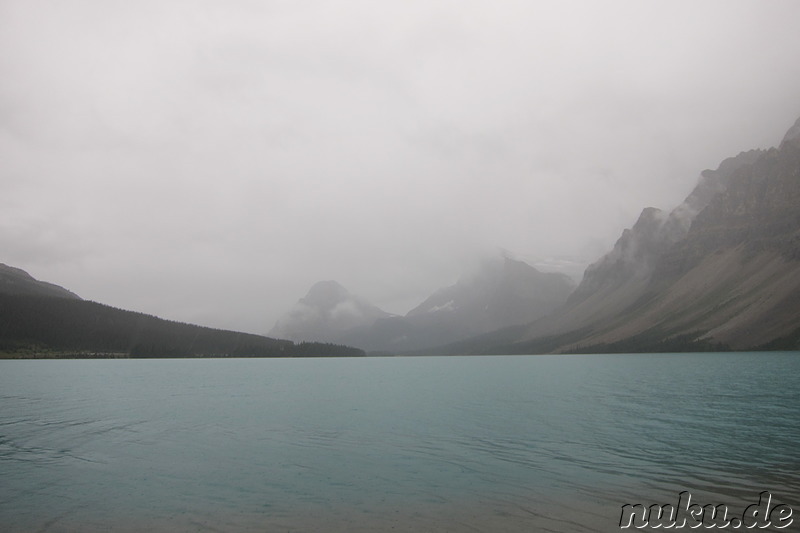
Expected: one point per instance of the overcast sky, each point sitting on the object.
(207, 161)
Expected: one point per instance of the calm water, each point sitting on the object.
(458, 444)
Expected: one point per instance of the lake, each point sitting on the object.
(407, 444)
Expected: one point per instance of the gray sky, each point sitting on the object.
(207, 161)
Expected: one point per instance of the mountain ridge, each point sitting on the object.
(501, 292)
(719, 271)
(730, 278)
(16, 281)
(42, 320)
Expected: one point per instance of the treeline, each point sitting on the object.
(36, 324)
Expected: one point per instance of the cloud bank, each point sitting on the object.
(208, 161)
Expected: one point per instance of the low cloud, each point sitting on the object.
(208, 162)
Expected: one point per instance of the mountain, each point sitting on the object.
(501, 292)
(621, 277)
(39, 319)
(720, 271)
(17, 281)
(325, 314)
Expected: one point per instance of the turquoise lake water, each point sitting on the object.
(414, 444)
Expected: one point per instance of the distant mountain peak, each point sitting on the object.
(498, 291)
(501, 292)
(326, 294)
(325, 313)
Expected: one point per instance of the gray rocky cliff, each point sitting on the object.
(722, 269)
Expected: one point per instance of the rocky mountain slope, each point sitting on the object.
(722, 270)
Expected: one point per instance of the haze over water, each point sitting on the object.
(391, 444)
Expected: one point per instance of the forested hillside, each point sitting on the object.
(40, 326)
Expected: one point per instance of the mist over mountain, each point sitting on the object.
(720, 271)
(274, 144)
(619, 278)
(501, 292)
(325, 314)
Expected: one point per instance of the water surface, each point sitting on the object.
(456, 444)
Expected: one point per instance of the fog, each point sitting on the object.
(209, 161)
